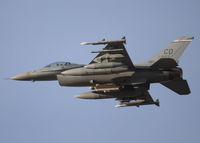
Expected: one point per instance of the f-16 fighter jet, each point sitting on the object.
(46, 73)
(111, 74)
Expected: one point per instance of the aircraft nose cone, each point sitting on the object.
(23, 76)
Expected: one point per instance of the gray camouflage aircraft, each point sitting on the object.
(47, 73)
(111, 74)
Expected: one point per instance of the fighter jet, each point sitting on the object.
(111, 74)
(46, 73)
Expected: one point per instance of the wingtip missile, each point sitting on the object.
(184, 39)
(123, 40)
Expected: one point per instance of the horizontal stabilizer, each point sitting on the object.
(179, 86)
(164, 63)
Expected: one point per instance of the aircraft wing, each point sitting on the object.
(113, 52)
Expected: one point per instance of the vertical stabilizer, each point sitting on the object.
(173, 51)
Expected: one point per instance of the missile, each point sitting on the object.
(94, 95)
(138, 103)
(123, 40)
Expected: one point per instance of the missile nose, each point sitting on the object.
(23, 76)
(117, 106)
(86, 95)
(81, 96)
(78, 96)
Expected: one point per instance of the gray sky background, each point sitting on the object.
(38, 32)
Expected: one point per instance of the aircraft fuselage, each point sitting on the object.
(85, 77)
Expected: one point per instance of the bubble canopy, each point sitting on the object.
(55, 64)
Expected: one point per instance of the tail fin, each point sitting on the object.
(179, 86)
(173, 51)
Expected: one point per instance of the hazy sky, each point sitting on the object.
(34, 33)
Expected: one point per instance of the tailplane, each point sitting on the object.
(179, 86)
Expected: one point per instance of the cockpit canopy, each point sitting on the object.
(56, 64)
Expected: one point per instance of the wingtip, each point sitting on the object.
(124, 38)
